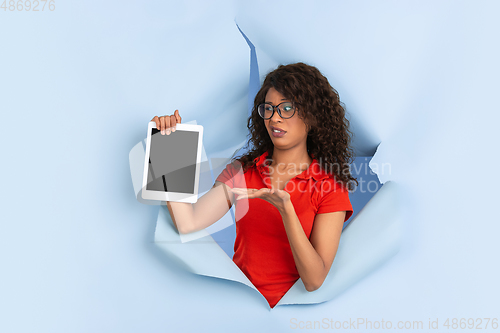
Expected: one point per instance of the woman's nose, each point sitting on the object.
(276, 117)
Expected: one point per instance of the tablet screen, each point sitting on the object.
(172, 161)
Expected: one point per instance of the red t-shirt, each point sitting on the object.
(261, 248)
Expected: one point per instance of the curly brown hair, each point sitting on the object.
(318, 104)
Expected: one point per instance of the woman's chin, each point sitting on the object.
(280, 144)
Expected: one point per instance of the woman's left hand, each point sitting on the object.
(278, 198)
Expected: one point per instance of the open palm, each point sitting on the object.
(278, 198)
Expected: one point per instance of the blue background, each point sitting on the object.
(79, 84)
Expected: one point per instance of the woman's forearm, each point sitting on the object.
(182, 215)
(309, 263)
(205, 212)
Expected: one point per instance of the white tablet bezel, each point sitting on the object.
(173, 196)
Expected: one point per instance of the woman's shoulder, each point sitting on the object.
(233, 169)
(331, 196)
(248, 162)
(331, 183)
(326, 184)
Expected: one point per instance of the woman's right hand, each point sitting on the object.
(166, 124)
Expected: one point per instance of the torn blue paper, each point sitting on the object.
(370, 239)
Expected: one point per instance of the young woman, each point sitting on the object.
(294, 182)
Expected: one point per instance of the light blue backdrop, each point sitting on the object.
(79, 84)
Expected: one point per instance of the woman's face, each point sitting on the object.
(285, 133)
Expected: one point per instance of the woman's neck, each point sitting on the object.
(297, 157)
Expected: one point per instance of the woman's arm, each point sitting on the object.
(205, 212)
(313, 258)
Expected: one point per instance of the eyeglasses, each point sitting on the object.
(285, 110)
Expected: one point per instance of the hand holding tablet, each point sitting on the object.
(167, 124)
(172, 163)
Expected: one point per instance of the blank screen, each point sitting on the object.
(172, 161)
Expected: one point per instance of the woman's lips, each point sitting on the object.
(277, 132)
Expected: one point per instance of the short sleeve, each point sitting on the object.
(333, 198)
(229, 174)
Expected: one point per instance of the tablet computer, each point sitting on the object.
(172, 164)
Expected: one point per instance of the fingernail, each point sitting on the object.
(173, 129)
(162, 132)
(168, 132)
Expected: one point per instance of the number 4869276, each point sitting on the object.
(28, 5)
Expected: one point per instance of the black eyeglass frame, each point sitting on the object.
(277, 107)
